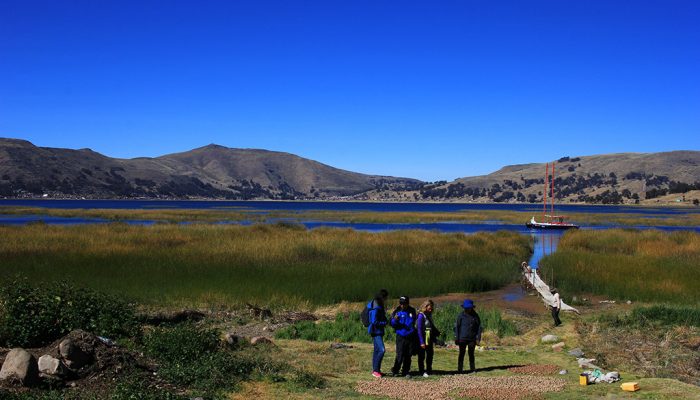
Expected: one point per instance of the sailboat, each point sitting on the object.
(552, 221)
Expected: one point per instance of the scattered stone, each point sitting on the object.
(587, 363)
(265, 328)
(258, 312)
(74, 356)
(629, 301)
(550, 339)
(21, 366)
(558, 347)
(336, 346)
(563, 372)
(260, 340)
(49, 365)
(578, 353)
(232, 339)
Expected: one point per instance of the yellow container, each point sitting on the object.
(630, 386)
(583, 380)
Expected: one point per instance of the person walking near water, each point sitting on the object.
(467, 334)
(403, 320)
(377, 322)
(427, 333)
(556, 307)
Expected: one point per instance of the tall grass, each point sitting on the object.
(628, 264)
(267, 264)
(347, 326)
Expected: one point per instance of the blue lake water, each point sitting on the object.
(336, 206)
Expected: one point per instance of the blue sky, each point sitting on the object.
(432, 90)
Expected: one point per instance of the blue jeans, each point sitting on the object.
(378, 353)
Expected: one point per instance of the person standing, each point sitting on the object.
(427, 333)
(403, 320)
(556, 307)
(467, 334)
(377, 322)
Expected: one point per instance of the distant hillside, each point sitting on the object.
(208, 172)
(607, 179)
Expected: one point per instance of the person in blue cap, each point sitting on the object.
(467, 334)
(403, 320)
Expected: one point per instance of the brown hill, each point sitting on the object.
(208, 172)
(609, 178)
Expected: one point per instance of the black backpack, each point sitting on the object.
(364, 316)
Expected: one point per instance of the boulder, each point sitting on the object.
(20, 365)
(49, 365)
(550, 339)
(578, 353)
(260, 340)
(558, 347)
(74, 356)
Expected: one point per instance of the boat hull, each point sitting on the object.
(538, 225)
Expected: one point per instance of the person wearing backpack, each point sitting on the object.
(427, 334)
(467, 334)
(374, 318)
(403, 320)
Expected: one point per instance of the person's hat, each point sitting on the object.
(403, 300)
(468, 303)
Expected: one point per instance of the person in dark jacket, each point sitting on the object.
(427, 334)
(403, 320)
(467, 334)
(377, 322)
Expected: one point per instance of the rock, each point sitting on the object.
(20, 365)
(587, 363)
(74, 356)
(49, 365)
(550, 338)
(337, 346)
(563, 372)
(260, 340)
(578, 353)
(558, 347)
(232, 339)
(629, 301)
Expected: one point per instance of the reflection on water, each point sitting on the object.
(545, 243)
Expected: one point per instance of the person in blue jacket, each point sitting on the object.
(467, 334)
(377, 322)
(403, 320)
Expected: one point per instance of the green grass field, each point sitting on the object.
(278, 265)
(650, 265)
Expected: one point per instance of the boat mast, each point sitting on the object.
(551, 199)
(546, 187)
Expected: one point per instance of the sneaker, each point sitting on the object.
(376, 374)
(425, 375)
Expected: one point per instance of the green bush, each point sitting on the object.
(34, 315)
(192, 356)
(347, 326)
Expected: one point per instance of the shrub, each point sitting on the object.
(33, 315)
(192, 356)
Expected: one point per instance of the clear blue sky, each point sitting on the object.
(426, 89)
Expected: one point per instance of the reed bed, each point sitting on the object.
(647, 265)
(278, 265)
(689, 218)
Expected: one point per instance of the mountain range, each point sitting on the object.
(218, 172)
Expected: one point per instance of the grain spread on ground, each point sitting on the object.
(535, 369)
(479, 387)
